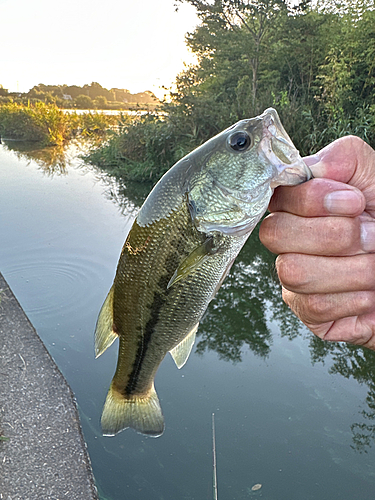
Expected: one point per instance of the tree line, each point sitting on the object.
(313, 62)
(89, 96)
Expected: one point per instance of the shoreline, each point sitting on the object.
(45, 455)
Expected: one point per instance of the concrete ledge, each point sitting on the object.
(45, 457)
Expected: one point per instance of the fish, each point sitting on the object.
(177, 254)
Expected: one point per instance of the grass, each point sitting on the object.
(49, 125)
(141, 150)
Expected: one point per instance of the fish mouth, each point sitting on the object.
(279, 150)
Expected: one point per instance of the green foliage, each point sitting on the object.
(94, 90)
(141, 150)
(84, 102)
(92, 96)
(314, 64)
(40, 122)
(97, 124)
(100, 102)
(49, 125)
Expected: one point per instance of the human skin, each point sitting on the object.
(324, 233)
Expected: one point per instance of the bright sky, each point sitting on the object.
(133, 44)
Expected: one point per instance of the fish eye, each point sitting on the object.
(240, 141)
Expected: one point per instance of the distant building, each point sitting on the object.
(67, 97)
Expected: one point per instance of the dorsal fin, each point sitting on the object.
(104, 334)
(181, 352)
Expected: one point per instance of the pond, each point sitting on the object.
(292, 414)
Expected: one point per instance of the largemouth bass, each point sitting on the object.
(178, 252)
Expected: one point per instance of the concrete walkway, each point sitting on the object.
(45, 457)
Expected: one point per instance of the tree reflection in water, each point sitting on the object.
(250, 297)
(359, 363)
(52, 160)
(55, 160)
(238, 316)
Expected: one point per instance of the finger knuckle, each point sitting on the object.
(353, 142)
(356, 142)
(310, 308)
(364, 302)
(363, 272)
(291, 274)
(317, 305)
(267, 231)
(310, 199)
(341, 234)
(297, 303)
(291, 300)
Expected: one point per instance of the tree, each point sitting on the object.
(101, 102)
(314, 64)
(226, 22)
(83, 102)
(3, 92)
(72, 90)
(95, 90)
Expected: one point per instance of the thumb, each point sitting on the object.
(349, 160)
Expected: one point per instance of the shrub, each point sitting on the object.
(40, 122)
(49, 125)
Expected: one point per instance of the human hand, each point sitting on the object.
(324, 231)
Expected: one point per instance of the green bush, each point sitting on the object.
(141, 150)
(49, 125)
(96, 123)
(40, 122)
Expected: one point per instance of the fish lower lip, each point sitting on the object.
(276, 142)
(289, 165)
(271, 157)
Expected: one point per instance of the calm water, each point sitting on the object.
(291, 413)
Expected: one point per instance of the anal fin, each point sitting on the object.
(181, 352)
(104, 334)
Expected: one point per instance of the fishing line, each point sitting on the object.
(214, 458)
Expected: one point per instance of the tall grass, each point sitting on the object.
(49, 125)
(39, 122)
(142, 150)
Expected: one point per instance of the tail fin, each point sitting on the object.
(104, 334)
(141, 413)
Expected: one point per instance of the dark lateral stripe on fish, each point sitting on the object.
(156, 306)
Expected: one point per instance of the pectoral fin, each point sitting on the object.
(181, 352)
(193, 261)
(104, 334)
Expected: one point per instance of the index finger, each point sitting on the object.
(318, 198)
(348, 161)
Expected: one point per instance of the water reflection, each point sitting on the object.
(358, 363)
(239, 317)
(55, 160)
(128, 196)
(52, 160)
(249, 297)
